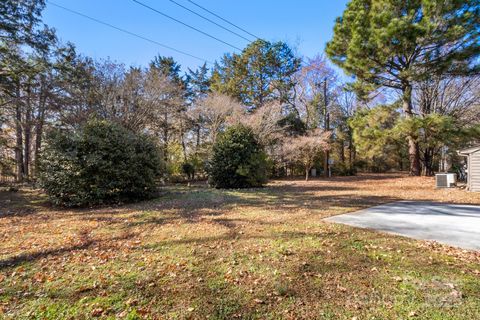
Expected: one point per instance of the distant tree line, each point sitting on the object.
(414, 99)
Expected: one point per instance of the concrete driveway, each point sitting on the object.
(452, 224)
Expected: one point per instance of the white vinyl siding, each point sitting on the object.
(474, 171)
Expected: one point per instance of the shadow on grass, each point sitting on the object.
(194, 204)
(286, 235)
(21, 203)
(186, 200)
(84, 243)
(214, 205)
(358, 177)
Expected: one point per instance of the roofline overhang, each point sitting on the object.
(468, 151)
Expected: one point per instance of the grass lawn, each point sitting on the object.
(196, 253)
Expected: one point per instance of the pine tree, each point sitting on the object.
(261, 73)
(396, 43)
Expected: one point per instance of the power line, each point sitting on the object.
(223, 19)
(187, 25)
(209, 20)
(128, 32)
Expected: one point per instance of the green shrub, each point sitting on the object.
(174, 161)
(238, 160)
(100, 163)
(198, 162)
(188, 170)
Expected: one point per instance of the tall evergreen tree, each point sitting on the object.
(168, 67)
(396, 43)
(198, 81)
(25, 44)
(261, 73)
(198, 86)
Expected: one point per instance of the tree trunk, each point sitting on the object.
(18, 135)
(326, 164)
(197, 144)
(306, 173)
(350, 151)
(428, 162)
(38, 145)
(19, 143)
(40, 121)
(165, 138)
(28, 134)
(413, 149)
(342, 152)
(184, 146)
(400, 162)
(350, 158)
(413, 156)
(326, 120)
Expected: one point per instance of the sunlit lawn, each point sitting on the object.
(196, 253)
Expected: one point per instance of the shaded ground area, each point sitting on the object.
(237, 254)
(456, 225)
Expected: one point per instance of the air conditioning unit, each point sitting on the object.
(445, 180)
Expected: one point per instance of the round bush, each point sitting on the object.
(238, 160)
(188, 170)
(100, 163)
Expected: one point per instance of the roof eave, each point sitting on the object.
(467, 151)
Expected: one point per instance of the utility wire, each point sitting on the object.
(187, 25)
(209, 20)
(223, 19)
(127, 32)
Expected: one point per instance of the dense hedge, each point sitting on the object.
(100, 163)
(238, 160)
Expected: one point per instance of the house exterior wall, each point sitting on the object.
(474, 171)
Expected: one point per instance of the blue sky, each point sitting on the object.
(304, 24)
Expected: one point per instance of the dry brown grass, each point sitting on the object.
(262, 253)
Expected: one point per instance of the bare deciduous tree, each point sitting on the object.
(458, 97)
(306, 149)
(217, 111)
(264, 122)
(163, 98)
(308, 96)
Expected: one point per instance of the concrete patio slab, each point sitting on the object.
(452, 224)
